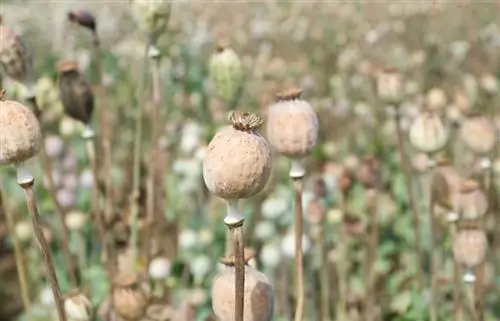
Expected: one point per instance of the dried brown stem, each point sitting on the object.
(239, 257)
(405, 166)
(299, 264)
(44, 248)
(434, 299)
(457, 304)
(341, 312)
(51, 186)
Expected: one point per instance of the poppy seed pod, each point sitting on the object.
(20, 134)
(83, 18)
(226, 72)
(469, 247)
(16, 59)
(389, 85)
(77, 307)
(436, 99)
(238, 160)
(427, 133)
(75, 92)
(292, 125)
(129, 297)
(152, 16)
(259, 297)
(445, 185)
(470, 202)
(478, 134)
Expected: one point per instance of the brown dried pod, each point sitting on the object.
(469, 247)
(75, 92)
(445, 184)
(129, 296)
(16, 59)
(83, 18)
(470, 202)
(237, 163)
(259, 296)
(20, 134)
(292, 125)
(478, 134)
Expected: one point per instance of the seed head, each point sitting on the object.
(469, 247)
(238, 161)
(20, 133)
(75, 92)
(292, 124)
(226, 72)
(427, 133)
(130, 298)
(478, 134)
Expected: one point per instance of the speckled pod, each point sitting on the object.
(20, 134)
(238, 160)
(75, 92)
(292, 125)
(129, 298)
(427, 132)
(15, 57)
(152, 16)
(478, 134)
(470, 202)
(259, 303)
(469, 247)
(226, 73)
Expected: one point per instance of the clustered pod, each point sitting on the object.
(238, 161)
(226, 73)
(469, 249)
(259, 296)
(76, 95)
(20, 133)
(16, 59)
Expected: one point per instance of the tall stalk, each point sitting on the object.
(51, 186)
(341, 313)
(457, 304)
(297, 173)
(18, 254)
(371, 255)
(26, 181)
(405, 166)
(434, 299)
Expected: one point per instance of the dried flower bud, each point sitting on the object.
(152, 16)
(129, 297)
(390, 85)
(469, 247)
(226, 73)
(16, 59)
(478, 134)
(470, 202)
(77, 307)
(238, 161)
(20, 133)
(83, 18)
(292, 127)
(436, 100)
(427, 132)
(259, 296)
(76, 94)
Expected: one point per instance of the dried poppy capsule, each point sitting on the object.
(259, 297)
(390, 85)
(238, 161)
(445, 184)
(478, 134)
(83, 18)
(76, 94)
(129, 297)
(20, 134)
(427, 133)
(16, 59)
(77, 306)
(226, 72)
(470, 202)
(292, 125)
(469, 248)
(151, 16)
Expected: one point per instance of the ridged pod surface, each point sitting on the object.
(226, 73)
(238, 160)
(469, 247)
(478, 134)
(15, 58)
(259, 297)
(292, 125)
(129, 298)
(152, 16)
(427, 132)
(20, 134)
(75, 92)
